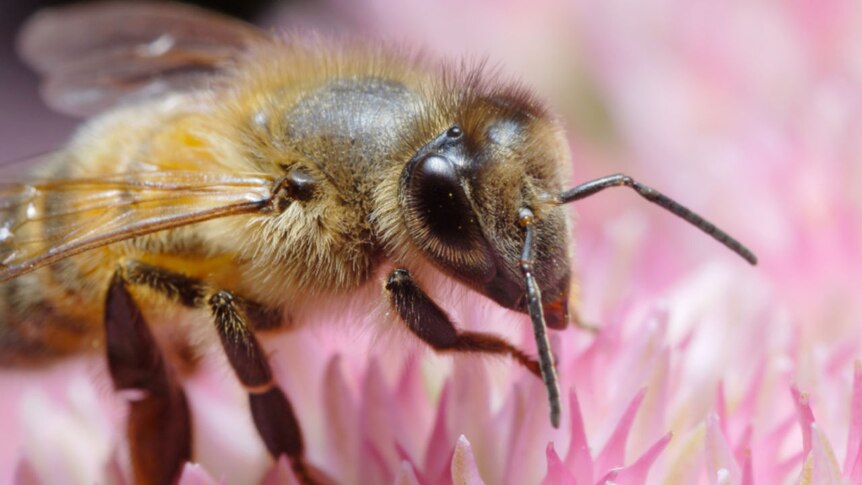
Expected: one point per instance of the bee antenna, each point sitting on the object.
(537, 316)
(589, 188)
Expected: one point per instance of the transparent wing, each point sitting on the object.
(96, 55)
(45, 222)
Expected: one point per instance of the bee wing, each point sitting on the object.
(45, 222)
(94, 56)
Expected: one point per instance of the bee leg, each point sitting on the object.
(431, 324)
(234, 320)
(159, 426)
(271, 410)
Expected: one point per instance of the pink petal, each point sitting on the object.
(342, 421)
(115, 474)
(637, 472)
(784, 468)
(578, 458)
(224, 440)
(805, 416)
(613, 454)
(194, 474)
(415, 411)
(652, 416)
(470, 413)
(719, 459)
(25, 474)
(853, 456)
(529, 425)
(770, 447)
(406, 460)
(743, 447)
(747, 407)
(589, 368)
(840, 357)
(557, 471)
(856, 473)
(821, 467)
(721, 408)
(406, 475)
(469, 406)
(464, 470)
(641, 365)
(409, 389)
(376, 418)
(62, 445)
(280, 474)
(609, 477)
(438, 452)
(747, 470)
(374, 468)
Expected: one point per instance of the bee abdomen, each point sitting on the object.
(33, 333)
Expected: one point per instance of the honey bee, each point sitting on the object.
(249, 175)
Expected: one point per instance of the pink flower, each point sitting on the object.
(704, 371)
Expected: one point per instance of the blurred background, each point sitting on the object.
(27, 127)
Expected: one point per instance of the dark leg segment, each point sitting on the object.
(234, 319)
(159, 426)
(431, 324)
(240, 345)
(272, 413)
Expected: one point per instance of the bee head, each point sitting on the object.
(461, 194)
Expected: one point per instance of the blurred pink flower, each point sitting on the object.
(748, 112)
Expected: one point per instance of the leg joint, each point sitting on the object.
(222, 298)
(187, 291)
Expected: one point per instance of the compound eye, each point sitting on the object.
(439, 200)
(454, 133)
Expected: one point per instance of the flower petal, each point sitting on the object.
(721, 466)
(613, 454)
(464, 470)
(406, 475)
(578, 458)
(805, 416)
(342, 421)
(637, 472)
(438, 454)
(557, 471)
(194, 474)
(853, 456)
(821, 466)
(378, 435)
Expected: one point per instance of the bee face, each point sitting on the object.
(462, 191)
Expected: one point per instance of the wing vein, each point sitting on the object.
(47, 221)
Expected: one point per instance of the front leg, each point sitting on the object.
(431, 324)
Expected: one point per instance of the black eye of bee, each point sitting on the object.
(439, 199)
(438, 211)
(455, 132)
